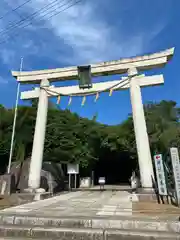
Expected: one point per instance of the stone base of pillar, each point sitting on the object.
(147, 194)
(23, 198)
(146, 191)
(38, 194)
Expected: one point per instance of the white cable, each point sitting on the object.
(41, 18)
(14, 9)
(14, 122)
(44, 11)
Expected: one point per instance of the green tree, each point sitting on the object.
(70, 138)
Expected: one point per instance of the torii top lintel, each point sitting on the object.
(121, 66)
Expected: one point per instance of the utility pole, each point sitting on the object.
(14, 122)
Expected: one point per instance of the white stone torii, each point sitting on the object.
(131, 66)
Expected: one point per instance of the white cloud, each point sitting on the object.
(90, 37)
(77, 35)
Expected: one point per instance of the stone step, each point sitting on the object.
(154, 205)
(17, 238)
(19, 232)
(119, 222)
(158, 211)
(154, 209)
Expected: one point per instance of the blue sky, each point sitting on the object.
(89, 32)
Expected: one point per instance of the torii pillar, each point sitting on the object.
(141, 135)
(39, 138)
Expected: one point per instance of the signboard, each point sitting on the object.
(161, 180)
(73, 168)
(176, 170)
(102, 180)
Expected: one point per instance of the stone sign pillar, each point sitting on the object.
(39, 137)
(142, 141)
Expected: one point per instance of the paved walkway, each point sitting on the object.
(80, 204)
(95, 204)
(83, 215)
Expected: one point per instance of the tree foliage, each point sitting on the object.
(70, 138)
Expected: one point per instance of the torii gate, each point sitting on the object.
(131, 66)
